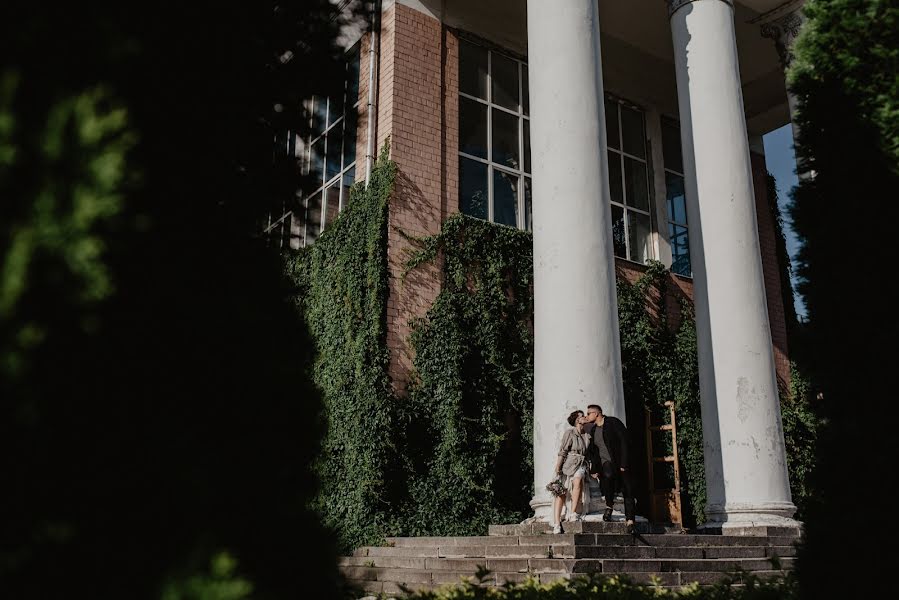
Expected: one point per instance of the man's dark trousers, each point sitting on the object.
(613, 479)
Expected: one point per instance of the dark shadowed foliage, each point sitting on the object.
(158, 422)
(845, 214)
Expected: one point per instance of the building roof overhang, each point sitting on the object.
(637, 48)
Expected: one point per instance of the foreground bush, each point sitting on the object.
(620, 588)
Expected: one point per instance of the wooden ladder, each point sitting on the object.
(665, 503)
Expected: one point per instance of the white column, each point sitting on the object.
(577, 357)
(746, 471)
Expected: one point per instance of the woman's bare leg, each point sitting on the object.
(577, 495)
(558, 503)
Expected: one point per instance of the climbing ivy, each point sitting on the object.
(455, 455)
(659, 364)
(471, 404)
(800, 425)
(343, 291)
(469, 411)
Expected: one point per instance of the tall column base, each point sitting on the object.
(543, 509)
(745, 518)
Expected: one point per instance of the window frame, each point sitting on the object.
(306, 148)
(669, 218)
(288, 226)
(652, 250)
(524, 221)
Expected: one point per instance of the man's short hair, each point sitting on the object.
(596, 406)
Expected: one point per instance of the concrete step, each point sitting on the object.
(514, 553)
(580, 527)
(578, 539)
(376, 567)
(412, 556)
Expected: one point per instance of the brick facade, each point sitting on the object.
(418, 109)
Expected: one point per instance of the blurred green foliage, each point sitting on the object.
(158, 423)
(844, 212)
(737, 586)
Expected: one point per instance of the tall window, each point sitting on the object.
(330, 152)
(674, 193)
(628, 182)
(494, 137)
(327, 155)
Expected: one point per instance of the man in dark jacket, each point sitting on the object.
(610, 460)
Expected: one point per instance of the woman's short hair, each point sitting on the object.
(572, 418)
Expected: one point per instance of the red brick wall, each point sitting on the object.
(362, 111)
(771, 269)
(418, 109)
(679, 288)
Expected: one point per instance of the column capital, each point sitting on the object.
(674, 5)
(782, 25)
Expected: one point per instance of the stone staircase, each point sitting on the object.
(513, 552)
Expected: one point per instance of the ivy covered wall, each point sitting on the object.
(343, 291)
(455, 454)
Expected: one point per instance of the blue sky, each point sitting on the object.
(782, 164)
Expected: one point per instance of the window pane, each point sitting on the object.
(637, 186)
(525, 91)
(680, 249)
(352, 84)
(281, 140)
(303, 153)
(332, 203)
(632, 132)
(638, 232)
(505, 198)
(313, 218)
(349, 137)
(297, 228)
(335, 148)
(612, 137)
(505, 139)
(319, 115)
(674, 190)
(527, 145)
(615, 185)
(671, 149)
(316, 162)
(473, 188)
(307, 114)
(528, 208)
(472, 70)
(472, 127)
(349, 178)
(618, 231)
(505, 81)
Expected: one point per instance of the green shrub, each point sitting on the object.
(604, 587)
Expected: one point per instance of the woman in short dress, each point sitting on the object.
(572, 469)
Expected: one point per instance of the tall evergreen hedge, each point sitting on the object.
(845, 213)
